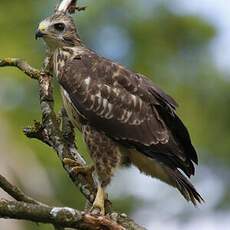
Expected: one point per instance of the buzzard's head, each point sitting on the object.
(58, 30)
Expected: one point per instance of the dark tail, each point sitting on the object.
(184, 186)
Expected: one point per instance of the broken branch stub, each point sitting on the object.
(65, 4)
(69, 6)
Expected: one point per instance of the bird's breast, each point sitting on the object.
(60, 57)
(72, 112)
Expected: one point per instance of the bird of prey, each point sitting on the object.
(124, 118)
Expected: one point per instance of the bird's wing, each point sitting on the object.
(128, 108)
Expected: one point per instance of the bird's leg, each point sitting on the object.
(99, 202)
(98, 206)
(77, 168)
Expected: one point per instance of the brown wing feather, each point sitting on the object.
(126, 106)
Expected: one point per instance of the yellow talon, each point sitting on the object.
(99, 202)
(69, 162)
(77, 168)
(87, 170)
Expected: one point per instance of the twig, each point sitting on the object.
(19, 195)
(65, 4)
(15, 192)
(69, 6)
(22, 65)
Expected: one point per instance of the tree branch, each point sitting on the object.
(69, 6)
(64, 217)
(22, 65)
(27, 208)
(15, 192)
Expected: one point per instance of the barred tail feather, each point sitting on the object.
(185, 187)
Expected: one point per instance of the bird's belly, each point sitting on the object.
(72, 113)
(148, 166)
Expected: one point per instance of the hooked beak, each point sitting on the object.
(39, 34)
(41, 31)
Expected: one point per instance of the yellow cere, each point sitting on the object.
(42, 26)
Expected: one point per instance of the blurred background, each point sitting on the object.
(183, 46)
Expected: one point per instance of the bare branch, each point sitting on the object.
(18, 209)
(15, 192)
(65, 4)
(25, 202)
(22, 65)
(64, 217)
(19, 195)
(69, 6)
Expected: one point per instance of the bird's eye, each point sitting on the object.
(59, 26)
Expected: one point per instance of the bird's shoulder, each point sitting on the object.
(86, 62)
(113, 98)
